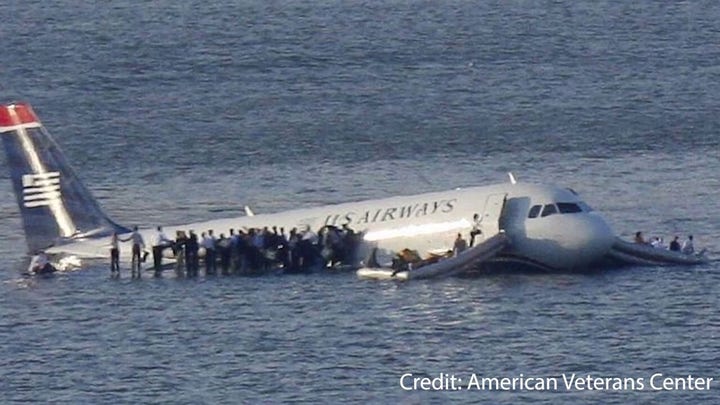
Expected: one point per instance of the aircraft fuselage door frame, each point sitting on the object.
(491, 214)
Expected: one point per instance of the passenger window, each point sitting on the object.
(534, 211)
(568, 208)
(549, 210)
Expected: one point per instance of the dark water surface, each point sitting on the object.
(173, 111)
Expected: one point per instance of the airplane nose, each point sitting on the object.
(599, 238)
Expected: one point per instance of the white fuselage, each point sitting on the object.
(428, 222)
(546, 225)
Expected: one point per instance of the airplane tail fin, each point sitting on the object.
(54, 204)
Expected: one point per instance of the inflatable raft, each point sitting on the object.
(444, 267)
(646, 255)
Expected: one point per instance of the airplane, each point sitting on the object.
(547, 227)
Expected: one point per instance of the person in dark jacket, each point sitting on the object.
(675, 244)
(191, 255)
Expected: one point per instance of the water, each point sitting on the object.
(178, 111)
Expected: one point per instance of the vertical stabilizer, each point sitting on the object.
(55, 206)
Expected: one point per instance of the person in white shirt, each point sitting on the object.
(658, 243)
(40, 264)
(208, 242)
(477, 220)
(310, 236)
(114, 254)
(138, 245)
(160, 242)
(687, 246)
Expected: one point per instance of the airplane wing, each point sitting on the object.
(81, 250)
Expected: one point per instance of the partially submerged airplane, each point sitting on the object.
(547, 227)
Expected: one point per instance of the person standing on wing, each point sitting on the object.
(159, 243)
(138, 245)
(114, 255)
(191, 254)
(207, 241)
(179, 249)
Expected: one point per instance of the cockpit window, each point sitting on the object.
(584, 206)
(561, 207)
(568, 208)
(534, 211)
(549, 210)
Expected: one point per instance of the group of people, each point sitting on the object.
(249, 251)
(686, 247)
(242, 251)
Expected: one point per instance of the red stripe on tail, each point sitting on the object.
(16, 114)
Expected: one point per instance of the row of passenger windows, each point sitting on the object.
(562, 208)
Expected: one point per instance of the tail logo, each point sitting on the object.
(40, 189)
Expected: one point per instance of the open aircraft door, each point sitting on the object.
(491, 214)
